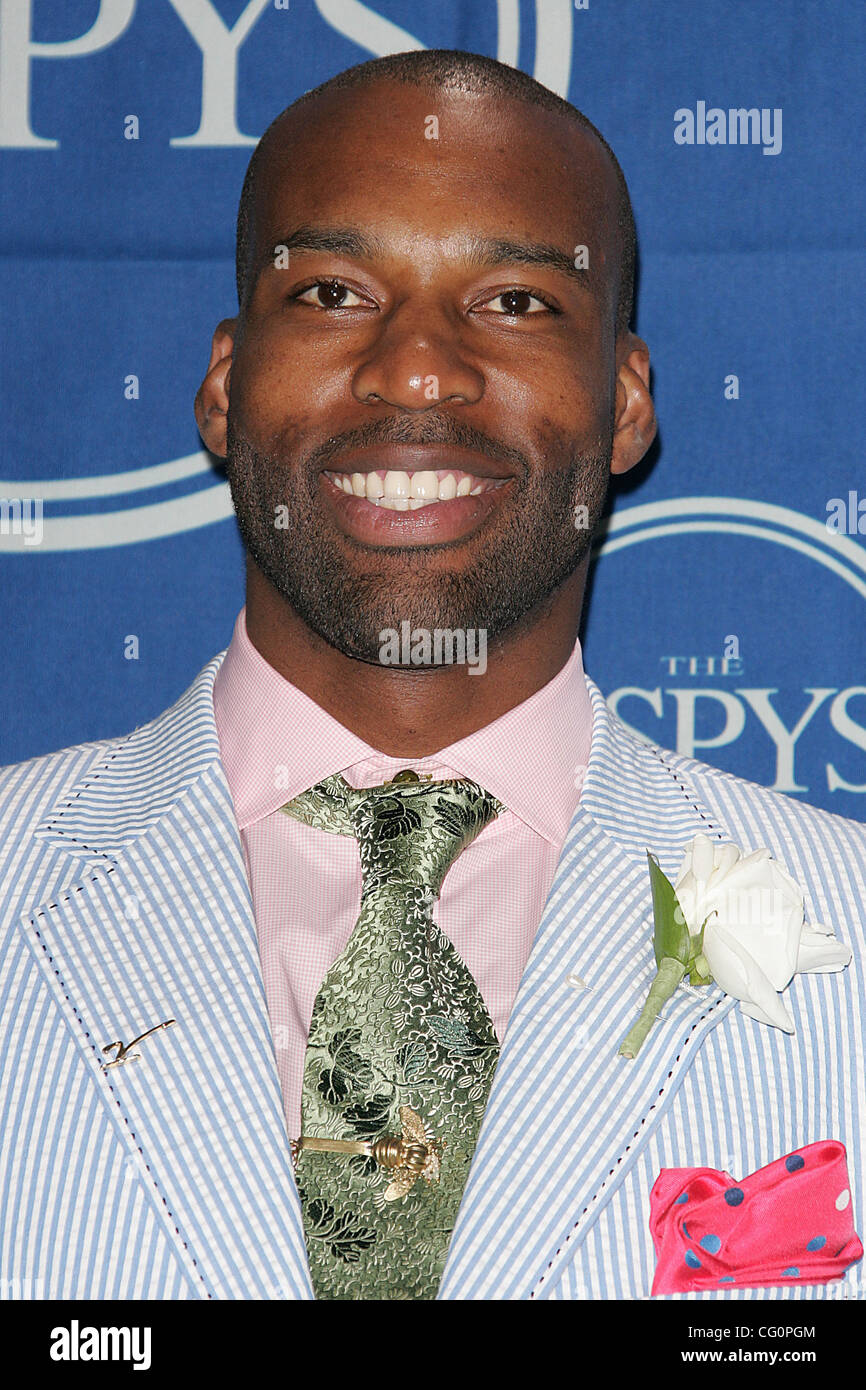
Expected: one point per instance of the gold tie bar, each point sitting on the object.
(408, 1156)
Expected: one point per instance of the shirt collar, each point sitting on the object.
(275, 742)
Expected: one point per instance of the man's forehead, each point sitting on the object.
(370, 146)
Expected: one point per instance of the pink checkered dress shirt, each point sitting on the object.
(275, 742)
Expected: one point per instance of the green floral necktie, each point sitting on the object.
(401, 1051)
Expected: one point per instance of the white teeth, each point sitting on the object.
(424, 485)
(396, 484)
(447, 488)
(399, 491)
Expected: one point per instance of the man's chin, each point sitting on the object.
(386, 636)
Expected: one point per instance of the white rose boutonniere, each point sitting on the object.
(738, 920)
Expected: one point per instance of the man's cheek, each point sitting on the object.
(264, 372)
(291, 440)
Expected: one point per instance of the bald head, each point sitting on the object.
(441, 71)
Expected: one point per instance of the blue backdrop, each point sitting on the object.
(727, 607)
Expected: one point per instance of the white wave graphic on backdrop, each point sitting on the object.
(126, 526)
(738, 516)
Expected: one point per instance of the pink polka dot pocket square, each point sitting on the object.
(788, 1223)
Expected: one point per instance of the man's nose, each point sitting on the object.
(417, 359)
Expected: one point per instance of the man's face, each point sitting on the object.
(394, 350)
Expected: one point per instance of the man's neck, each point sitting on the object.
(410, 713)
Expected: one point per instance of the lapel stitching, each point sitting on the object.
(691, 799)
(53, 824)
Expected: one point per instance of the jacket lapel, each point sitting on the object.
(567, 1116)
(159, 926)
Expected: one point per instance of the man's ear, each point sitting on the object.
(635, 424)
(212, 397)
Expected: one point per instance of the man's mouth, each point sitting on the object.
(413, 494)
(399, 491)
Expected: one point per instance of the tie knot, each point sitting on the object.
(413, 831)
(408, 831)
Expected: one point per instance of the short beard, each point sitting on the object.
(349, 594)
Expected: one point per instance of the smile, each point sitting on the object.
(399, 491)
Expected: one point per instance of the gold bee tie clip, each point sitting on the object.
(409, 1157)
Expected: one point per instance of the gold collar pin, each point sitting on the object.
(123, 1049)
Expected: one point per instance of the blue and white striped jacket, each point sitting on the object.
(125, 903)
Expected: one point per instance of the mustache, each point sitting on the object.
(431, 427)
(425, 429)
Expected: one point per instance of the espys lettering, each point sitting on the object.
(735, 706)
(220, 45)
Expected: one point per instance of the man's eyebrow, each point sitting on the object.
(490, 251)
(473, 250)
(338, 241)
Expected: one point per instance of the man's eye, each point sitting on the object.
(518, 303)
(332, 294)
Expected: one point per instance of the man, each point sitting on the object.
(392, 908)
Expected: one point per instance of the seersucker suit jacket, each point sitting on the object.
(125, 903)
